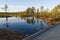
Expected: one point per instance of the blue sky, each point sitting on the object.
(20, 5)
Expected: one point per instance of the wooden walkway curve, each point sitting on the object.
(51, 34)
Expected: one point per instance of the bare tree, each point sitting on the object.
(5, 8)
(41, 8)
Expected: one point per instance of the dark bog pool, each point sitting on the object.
(24, 25)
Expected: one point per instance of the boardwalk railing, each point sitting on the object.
(38, 33)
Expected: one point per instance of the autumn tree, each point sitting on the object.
(56, 10)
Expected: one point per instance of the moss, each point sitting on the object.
(9, 35)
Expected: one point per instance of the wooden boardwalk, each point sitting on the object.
(51, 34)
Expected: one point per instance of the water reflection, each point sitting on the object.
(7, 26)
(30, 20)
(24, 25)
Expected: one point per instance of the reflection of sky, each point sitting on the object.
(2, 20)
(11, 20)
(15, 19)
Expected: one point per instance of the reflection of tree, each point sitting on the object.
(30, 21)
(7, 22)
(41, 25)
(34, 30)
(37, 20)
(23, 18)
